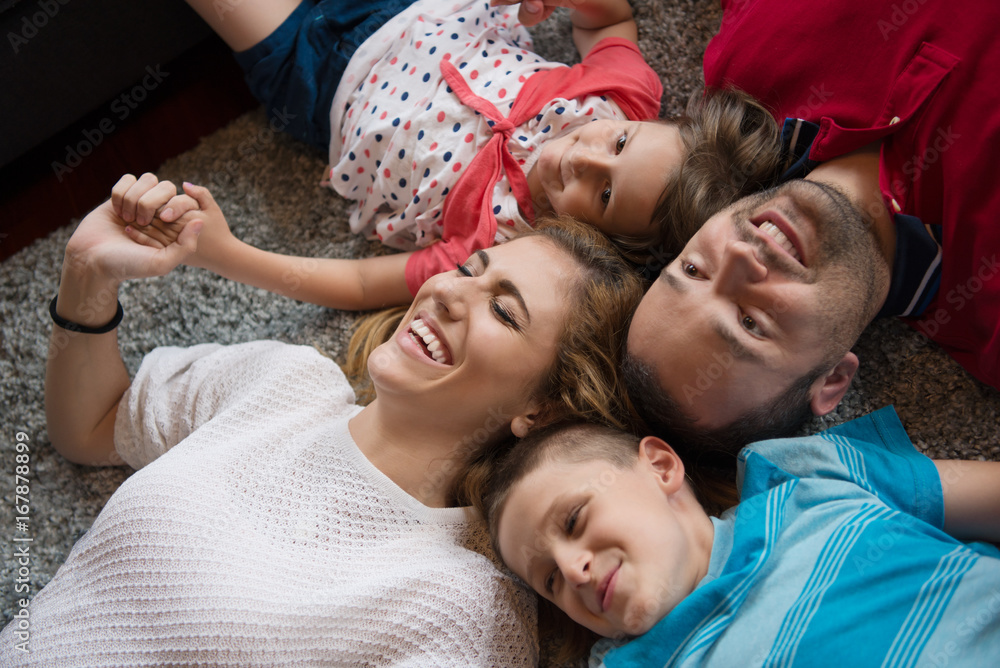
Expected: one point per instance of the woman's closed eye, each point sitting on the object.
(504, 314)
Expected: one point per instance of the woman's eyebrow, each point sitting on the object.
(506, 285)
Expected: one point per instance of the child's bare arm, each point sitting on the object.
(351, 285)
(593, 20)
(971, 498)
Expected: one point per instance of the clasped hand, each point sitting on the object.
(147, 229)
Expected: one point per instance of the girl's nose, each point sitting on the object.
(586, 161)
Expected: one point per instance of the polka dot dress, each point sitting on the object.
(404, 136)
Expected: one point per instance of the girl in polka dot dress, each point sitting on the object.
(451, 135)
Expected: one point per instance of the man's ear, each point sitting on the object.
(664, 461)
(831, 387)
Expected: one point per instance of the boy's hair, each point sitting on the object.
(585, 380)
(732, 148)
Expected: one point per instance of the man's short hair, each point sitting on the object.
(665, 417)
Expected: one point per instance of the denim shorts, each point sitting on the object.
(295, 70)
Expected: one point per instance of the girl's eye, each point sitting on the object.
(620, 144)
(690, 270)
(464, 270)
(606, 196)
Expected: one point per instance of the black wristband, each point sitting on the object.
(73, 327)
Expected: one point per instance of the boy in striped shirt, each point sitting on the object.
(846, 548)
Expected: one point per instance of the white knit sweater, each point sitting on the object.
(257, 534)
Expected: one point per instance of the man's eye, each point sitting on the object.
(606, 196)
(750, 324)
(690, 269)
(620, 144)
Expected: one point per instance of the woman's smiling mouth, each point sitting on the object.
(433, 347)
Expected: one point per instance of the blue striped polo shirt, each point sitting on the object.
(835, 556)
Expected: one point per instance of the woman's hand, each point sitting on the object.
(160, 215)
(102, 248)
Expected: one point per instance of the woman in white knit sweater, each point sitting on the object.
(275, 522)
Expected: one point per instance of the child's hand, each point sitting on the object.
(533, 12)
(151, 206)
(102, 246)
(216, 241)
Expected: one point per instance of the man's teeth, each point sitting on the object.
(431, 341)
(779, 236)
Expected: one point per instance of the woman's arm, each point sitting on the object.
(85, 376)
(971, 498)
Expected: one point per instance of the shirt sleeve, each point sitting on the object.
(872, 452)
(178, 390)
(625, 75)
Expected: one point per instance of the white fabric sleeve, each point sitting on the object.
(177, 390)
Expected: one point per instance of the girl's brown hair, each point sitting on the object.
(732, 148)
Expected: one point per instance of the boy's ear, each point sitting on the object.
(831, 387)
(664, 461)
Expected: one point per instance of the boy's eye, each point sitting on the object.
(571, 521)
(620, 144)
(606, 196)
(550, 581)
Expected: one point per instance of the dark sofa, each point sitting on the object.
(63, 59)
